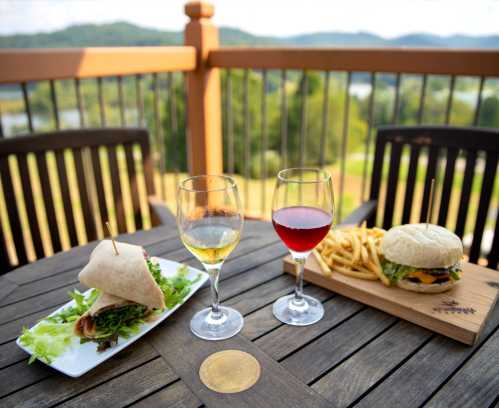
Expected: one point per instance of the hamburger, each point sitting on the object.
(422, 258)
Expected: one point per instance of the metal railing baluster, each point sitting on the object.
(448, 108)
(55, 108)
(102, 108)
(284, 121)
(476, 116)
(173, 126)
(230, 122)
(139, 100)
(303, 117)
(27, 106)
(264, 141)
(396, 104)
(79, 102)
(367, 147)
(121, 100)
(344, 140)
(325, 121)
(247, 145)
(422, 98)
(160, 159)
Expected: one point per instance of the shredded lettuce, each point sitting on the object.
(394, 272)
(175, 288)
(54, 334)
(454, 274)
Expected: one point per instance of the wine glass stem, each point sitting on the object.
(215, 299)
(300, 261)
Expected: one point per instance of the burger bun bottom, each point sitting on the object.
(425, 287)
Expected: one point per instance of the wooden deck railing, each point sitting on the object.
(201, 60)
(399, 62)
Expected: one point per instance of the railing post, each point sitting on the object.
(203, 94)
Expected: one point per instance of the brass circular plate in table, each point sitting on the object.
(230, 371)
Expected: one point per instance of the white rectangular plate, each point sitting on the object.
(81, 358)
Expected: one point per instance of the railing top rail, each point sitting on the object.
(23, 65)
(472, 62)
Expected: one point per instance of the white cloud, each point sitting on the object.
(265, 17)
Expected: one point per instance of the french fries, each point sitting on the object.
(352, 251)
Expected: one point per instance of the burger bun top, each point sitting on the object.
(421, 247)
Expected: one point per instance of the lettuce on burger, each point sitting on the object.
(422, 259)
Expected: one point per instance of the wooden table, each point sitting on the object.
(355, 356)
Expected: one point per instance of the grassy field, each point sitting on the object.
(251, 191)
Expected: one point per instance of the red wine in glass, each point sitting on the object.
(302, 214)
(301, 228)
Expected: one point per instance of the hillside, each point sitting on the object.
(126, 34)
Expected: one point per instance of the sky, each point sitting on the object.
(388, 18)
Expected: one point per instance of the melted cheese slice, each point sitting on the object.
(422, 276)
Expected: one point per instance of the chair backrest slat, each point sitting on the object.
(134, 189)
(26, 183)
(484, 204)
(493, 258)
(116, 186)
(447, 185)
(392, 184)
(5, 264)
(43, 174)
(82, 185)
(463, 147)
(379, 155)
(12, 210)
(431, 170)
(99, 184)
(464, 202)
(67, 203)
(411, 182)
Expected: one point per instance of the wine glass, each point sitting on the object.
(302, 214)
(210, 221)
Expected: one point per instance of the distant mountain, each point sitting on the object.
(126, 34)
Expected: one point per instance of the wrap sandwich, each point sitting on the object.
(129, 292)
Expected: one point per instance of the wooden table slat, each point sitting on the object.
(318, 357)
(176, 394)
(412, 383)
(354, 377)
(6, 287)
(130, 387)
(476, 384)
(286, 339)
(263, 321)
(56, 387)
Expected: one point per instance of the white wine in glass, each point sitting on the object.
(210, 221)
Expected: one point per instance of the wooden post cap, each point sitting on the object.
(199, 9)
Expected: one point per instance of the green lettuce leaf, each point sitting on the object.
(54, 334)
(394, 272)
(176, 288)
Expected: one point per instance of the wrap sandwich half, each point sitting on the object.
(128, 293)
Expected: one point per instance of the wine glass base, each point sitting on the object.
(308, 312)
(206, 327)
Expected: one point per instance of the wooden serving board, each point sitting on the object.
(459, 313)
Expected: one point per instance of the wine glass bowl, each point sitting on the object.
(210, 221)
(302, 215)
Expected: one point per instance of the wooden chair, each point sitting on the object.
(84, 145)
(476, 147)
